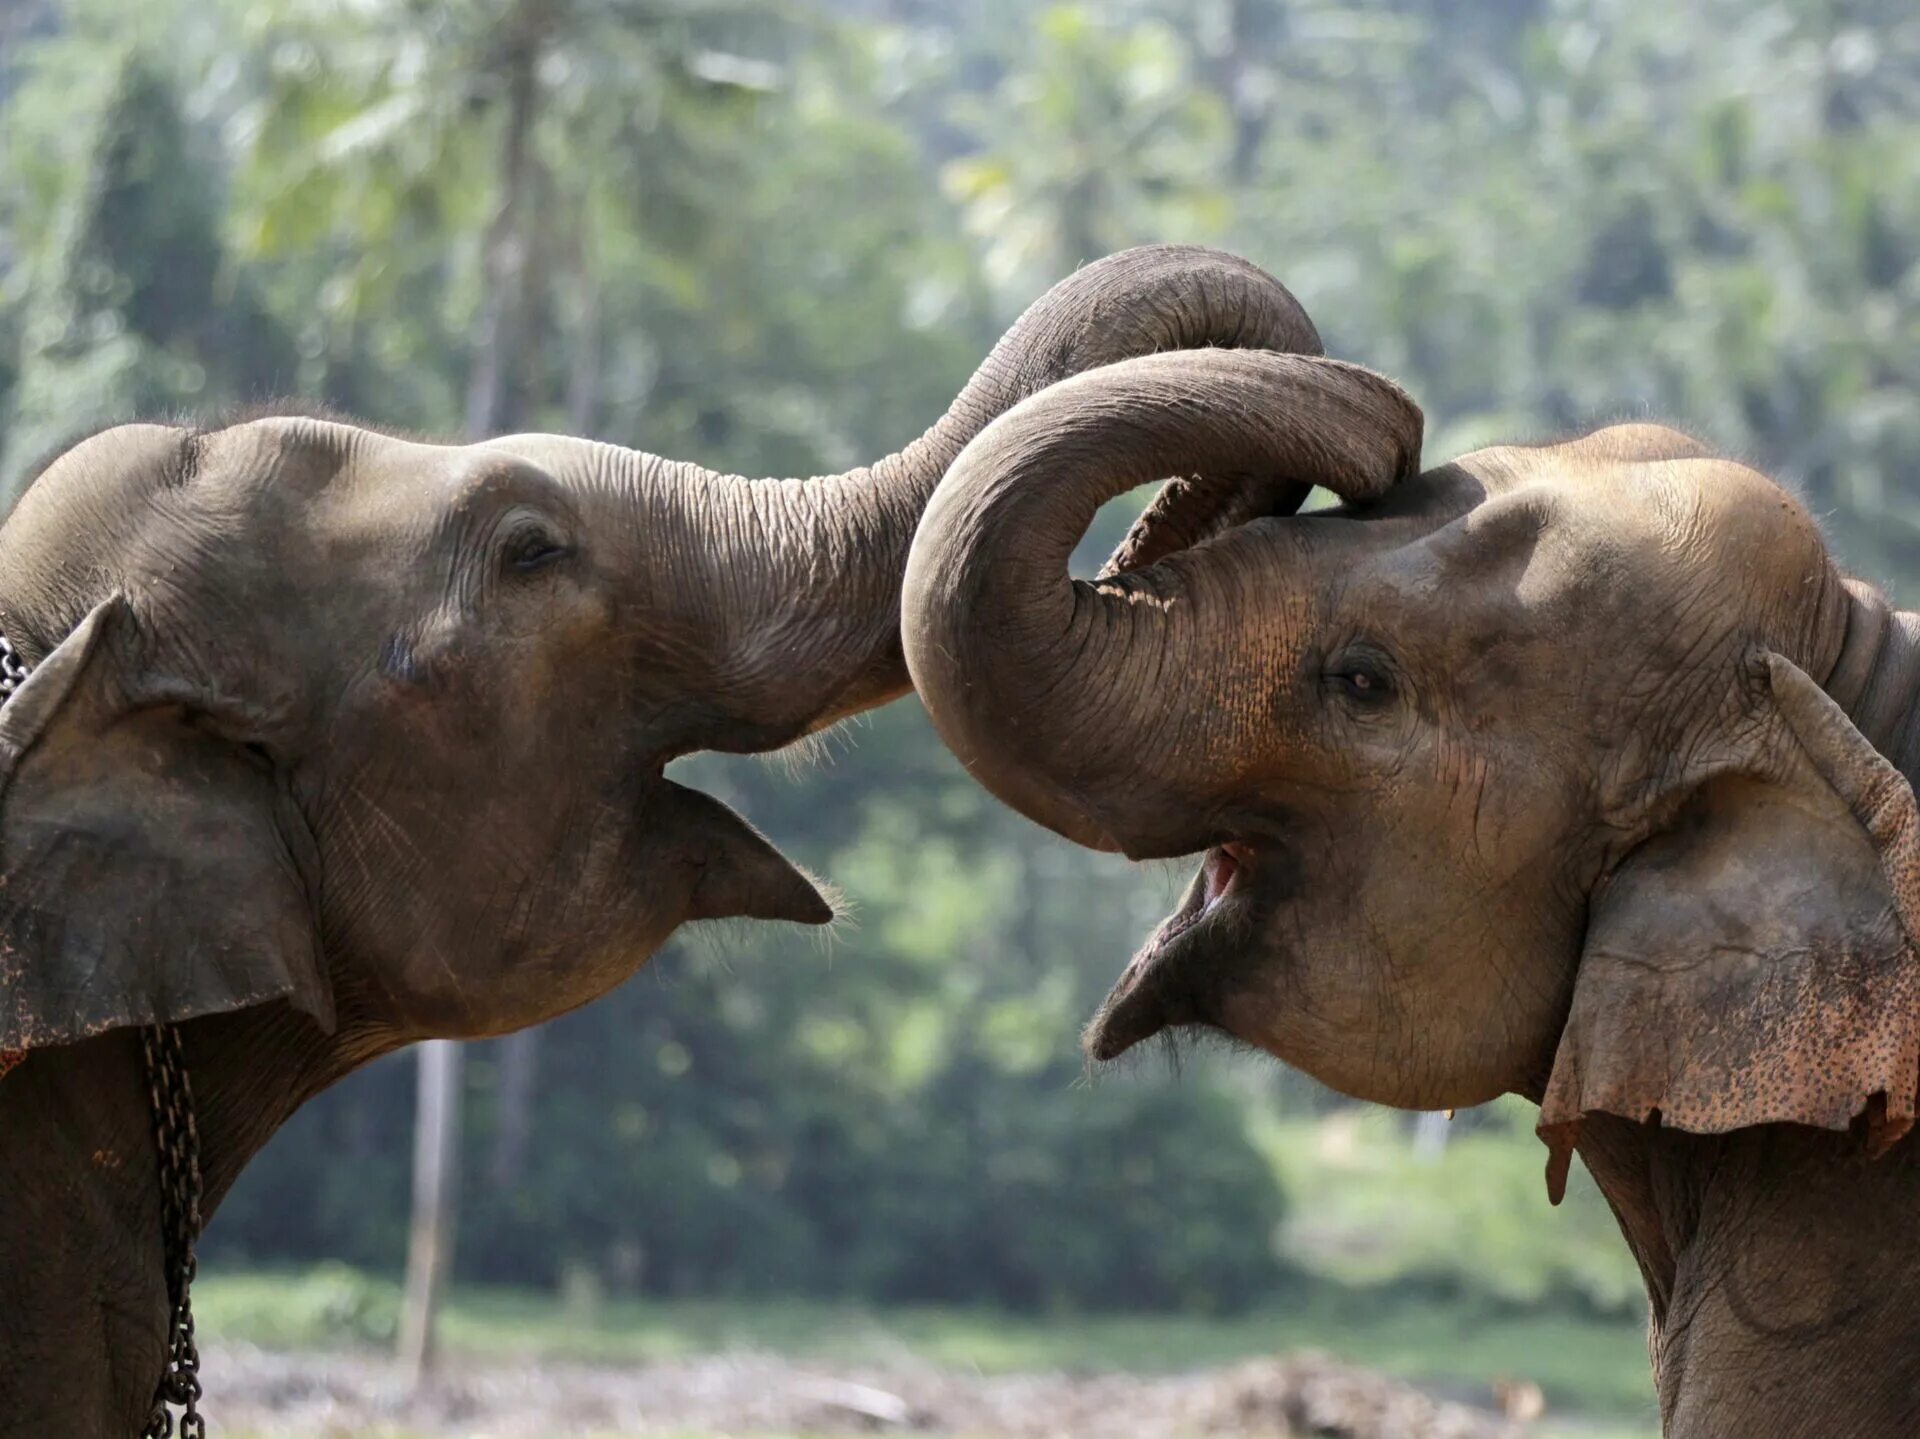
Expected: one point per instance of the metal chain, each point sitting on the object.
(13, 670)
(176, 1138)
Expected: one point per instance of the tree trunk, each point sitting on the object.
(583, 378)
(504, 262)
(1431, 1130)
(1250, 114)
(436, 1160)
(430, 1238)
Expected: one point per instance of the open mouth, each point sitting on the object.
(1167, 984)
(1193, 508)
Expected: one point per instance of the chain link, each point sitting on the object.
(177, 1140)
(13, 670)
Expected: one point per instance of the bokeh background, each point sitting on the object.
(776, 236)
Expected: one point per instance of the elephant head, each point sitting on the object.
(1517, 774)
(379, 726)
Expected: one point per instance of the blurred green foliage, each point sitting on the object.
(775, 236)
(1464, 1222)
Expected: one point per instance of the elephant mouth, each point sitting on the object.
(1191, 509)
(1177, 977)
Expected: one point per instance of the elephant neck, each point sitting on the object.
(1780, 1265)
(81, 1252)
(253, 1069)
(1876, 676)
(1782, 1271)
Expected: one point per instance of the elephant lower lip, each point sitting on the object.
(1150, 997)
(1141, 1005)
(1158, 989)
(1119, 1027)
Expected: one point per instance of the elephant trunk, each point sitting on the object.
(797, 582)
(1118, 711)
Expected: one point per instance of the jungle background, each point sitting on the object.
(776, 236)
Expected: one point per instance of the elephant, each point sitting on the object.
(1574, 770)
(333, 741)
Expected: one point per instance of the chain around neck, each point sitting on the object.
(177, 1143)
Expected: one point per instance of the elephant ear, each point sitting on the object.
(147, 869)
(1754, 962)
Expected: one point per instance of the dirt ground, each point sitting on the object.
(309, 1396)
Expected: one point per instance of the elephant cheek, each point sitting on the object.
(1258, 1015)
(1317, 1013)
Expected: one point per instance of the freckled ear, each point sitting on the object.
(737, 873)
(1754, 962)
(147, 867)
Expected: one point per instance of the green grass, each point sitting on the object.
(1585, 1365)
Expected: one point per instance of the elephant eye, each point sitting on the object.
(1361, 679)
(533, 548)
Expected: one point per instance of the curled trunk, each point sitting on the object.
(786, 592)
(1112, 710)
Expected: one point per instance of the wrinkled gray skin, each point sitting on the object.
(1574, 771)
(336, 741)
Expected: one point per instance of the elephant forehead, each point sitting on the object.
(274, 454)
(152, 452)
(341, 491)
(295, 455)
(1647, 483)
(96, 489)
(1710, 538)
(1609, 508)
(309, 457)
